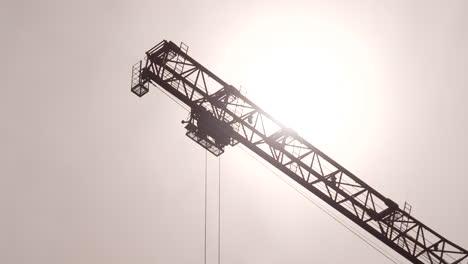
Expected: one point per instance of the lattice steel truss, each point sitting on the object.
(221, 115)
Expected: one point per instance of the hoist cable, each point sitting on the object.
(206, 191)
(219, 209)
(356, 233)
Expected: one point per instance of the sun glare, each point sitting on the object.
(308, 82)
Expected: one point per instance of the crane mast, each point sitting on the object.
(221, 116)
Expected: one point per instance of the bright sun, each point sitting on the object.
(309, 82)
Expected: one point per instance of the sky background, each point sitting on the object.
(90, 173)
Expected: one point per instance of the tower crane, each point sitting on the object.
(221, 116)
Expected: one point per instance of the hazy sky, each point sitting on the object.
(92, 174)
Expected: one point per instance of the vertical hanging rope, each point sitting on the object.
(206, 177)
(219, 209)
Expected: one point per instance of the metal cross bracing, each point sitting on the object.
(221, 116)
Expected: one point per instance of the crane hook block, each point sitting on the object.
(208, 131)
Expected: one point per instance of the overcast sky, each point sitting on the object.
(90, 173)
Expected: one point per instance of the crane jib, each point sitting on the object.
(221, 115)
